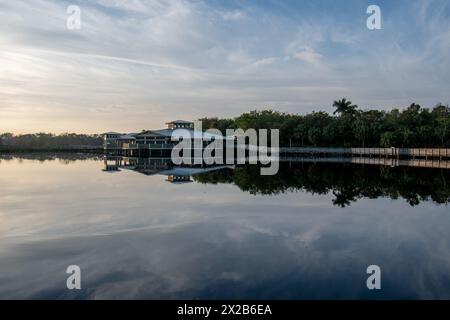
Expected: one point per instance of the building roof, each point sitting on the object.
(164, 132)
(179, 122)
(189, 133)
(111, 132)
(184, 133)
(167, 133)
(128, 136)
(146, 133)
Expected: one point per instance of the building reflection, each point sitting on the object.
(179, 179)
(160, 166)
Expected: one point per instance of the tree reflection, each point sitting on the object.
(62, 157)
(346, 182)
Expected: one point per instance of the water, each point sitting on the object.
(308, 233)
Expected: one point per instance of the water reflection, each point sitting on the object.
(347, 182)
(63, 157)
(136, 235)
(348, 179)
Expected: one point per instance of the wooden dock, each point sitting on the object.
(398, 153)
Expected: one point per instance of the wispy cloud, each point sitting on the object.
(165, 59)
(308, 55)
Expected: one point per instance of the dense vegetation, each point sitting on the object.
(47, 141)
(350, 126)
(346, 182)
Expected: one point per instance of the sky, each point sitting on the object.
(137, 64)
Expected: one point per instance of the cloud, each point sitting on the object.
(233, 15)
(191, 59)
(265, 61)
(309, 55)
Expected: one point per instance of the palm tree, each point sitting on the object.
(344, 106)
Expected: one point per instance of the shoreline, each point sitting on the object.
(58, 150)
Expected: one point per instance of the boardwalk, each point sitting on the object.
(412, 153)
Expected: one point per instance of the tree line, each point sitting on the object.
(349, 126)
(42, 141)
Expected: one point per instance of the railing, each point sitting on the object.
(425, 152)
(385, 152)
(316, 150)
(392, 152)
(313, 151)
(155, 146)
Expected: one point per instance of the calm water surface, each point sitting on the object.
(310, 232)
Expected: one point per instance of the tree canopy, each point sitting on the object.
(350, 126)
(50, 141)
